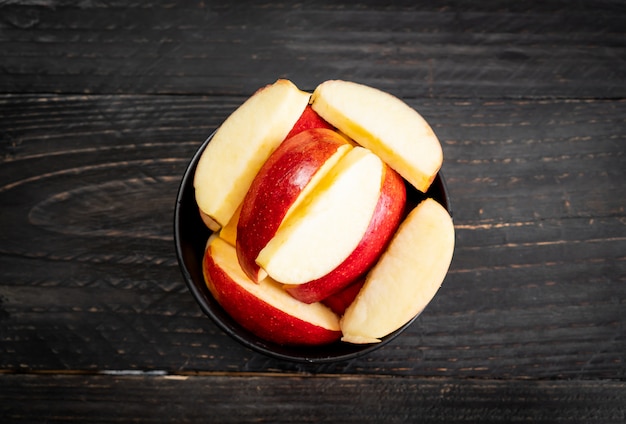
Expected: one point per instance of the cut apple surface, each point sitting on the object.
(210, 223)
(241, 145)
(286, 178)
(306, 195)
(229, 231)
(264, 309)
(383, 224)
(406, 277)
(328, 225)
(384, 124)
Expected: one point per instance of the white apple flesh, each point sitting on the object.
(384, 124)
(329, 224)
(384, 223)
(406, 277)
(241, 145)
(286, 179)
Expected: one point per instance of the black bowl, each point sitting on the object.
(190, 236)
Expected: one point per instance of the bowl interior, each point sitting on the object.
(190, 235)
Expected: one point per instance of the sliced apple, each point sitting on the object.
(286, 178)
(406, 277)
(240, 147)
(329, 224)
(384, 124)
(264, 309)
(382, 226)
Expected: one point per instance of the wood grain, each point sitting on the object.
(414, 49)
(103, 103)
(536, 288)
(300, 398)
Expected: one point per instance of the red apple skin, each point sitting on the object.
(276, 187)
(257, 316)
(339, 302)
(308, 120)
(385, 221)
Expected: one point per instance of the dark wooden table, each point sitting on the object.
(102, 105)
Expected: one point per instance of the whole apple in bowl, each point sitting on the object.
(315, 227)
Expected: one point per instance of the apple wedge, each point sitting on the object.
(286, 178)
(383, 224)
(241, 145)
(328, 225)
(264, 309)
(406, 277)
(384, 124)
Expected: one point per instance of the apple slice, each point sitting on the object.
(286, 178)
(383, 224)
(241, 145)
(406, 277)
(385, 125)
(264, 309)
(329, 224)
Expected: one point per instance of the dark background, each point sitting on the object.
(103, 103)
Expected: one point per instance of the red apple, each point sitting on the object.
(324, 229)
(264, 309)
(308, 120)
(285, 179)
(339, 302)
(382, 226)
(311, 222)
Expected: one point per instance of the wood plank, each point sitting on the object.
(457, 49)
(536, 289)
(301, 398)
